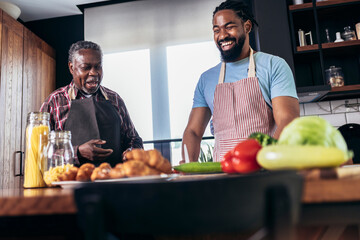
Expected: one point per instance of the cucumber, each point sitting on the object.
(197, 167)
(276, 157)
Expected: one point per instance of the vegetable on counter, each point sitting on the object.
(263, 138)
(307, 142)
(197, 167)
(242, 159)
(315, 131)
(226, 163)
(300, 157)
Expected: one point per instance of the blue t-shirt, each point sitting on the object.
(274, 74)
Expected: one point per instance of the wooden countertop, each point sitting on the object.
(39, 201)
(49, 201)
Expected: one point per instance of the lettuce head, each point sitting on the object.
(312, 130)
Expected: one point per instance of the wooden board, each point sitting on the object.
(333, 190)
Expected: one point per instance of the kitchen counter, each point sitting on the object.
(39, 201)
(325, 202)
(47, 201)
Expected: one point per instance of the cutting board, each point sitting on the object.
(347, 171)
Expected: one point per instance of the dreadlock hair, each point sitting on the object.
(239, 7)
(75, 47)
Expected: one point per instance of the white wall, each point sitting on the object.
(146, 24)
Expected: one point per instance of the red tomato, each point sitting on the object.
(226, 164)
(244, 156)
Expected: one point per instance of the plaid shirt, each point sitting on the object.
(58, 104)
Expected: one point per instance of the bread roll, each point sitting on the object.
(85, 172)
(117, 173)
(152, 158)
(136, 168)
(157, 161)
(69, 174)
(101, 172)
(137, 154)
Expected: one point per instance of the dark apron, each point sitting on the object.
(89, 119)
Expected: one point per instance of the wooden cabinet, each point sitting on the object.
(311, 61)
(27, 77)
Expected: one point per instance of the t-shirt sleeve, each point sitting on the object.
(282, 82)
(199, 95)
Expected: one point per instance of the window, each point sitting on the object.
(185, 65)
(128, 74)
(157, 84)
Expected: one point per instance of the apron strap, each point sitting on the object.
(222, 73)
(251, 71)
(72, 94)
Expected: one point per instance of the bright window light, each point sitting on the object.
(185, 65)
(128, 74)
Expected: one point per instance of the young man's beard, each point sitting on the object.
(232, 54)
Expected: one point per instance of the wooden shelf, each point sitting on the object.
(335, 2)
(341, 44)
(350, 43)
(307, 48)
(300, 6)
(346, 88)
(345, 92)
(305, 6)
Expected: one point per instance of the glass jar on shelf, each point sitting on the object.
(36, 140)
(348, 34)
(334, 76)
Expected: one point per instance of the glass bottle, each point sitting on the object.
(328, 40)
(36, 140)
(60, 154)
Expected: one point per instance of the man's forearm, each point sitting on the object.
(285, 110)
(283, 124)
(192, 142)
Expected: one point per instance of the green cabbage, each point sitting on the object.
(312, 130)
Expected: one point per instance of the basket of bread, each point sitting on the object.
(139, 163)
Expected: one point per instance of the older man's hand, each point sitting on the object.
(91, 151)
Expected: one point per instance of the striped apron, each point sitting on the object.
(239, 110)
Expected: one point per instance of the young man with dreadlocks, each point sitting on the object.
(256, 93)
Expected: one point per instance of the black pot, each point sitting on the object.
(351, 134)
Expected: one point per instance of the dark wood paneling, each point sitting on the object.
(59, 33)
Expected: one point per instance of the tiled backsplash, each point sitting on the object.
(337, 112)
